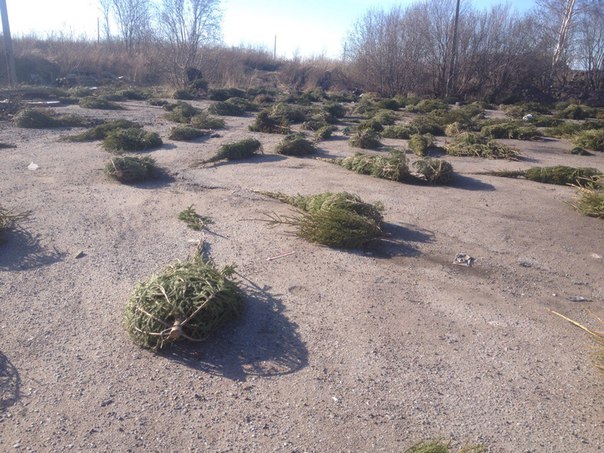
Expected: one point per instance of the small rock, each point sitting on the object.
(33, 166)
(79, 254)
(578, 299)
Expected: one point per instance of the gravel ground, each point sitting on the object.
(336, 351)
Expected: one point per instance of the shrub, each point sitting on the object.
(388, 104)
(243, 104)
(128, 169)
(434, 171)
(589, 198)
(335, 109)
(313, 125)
(560, 174)
(514, 130)
(385, 117)
(133, 94)
(10, 219)
(242, 149)
(427, 125)
(428, 105)
(99, 103)
(182, 112)
(577, 112)
(158, 102)
(295, 145)
(580, 151)
(187, 300)
(476, 145)
(325, 132)
(365, 139)
(392, 167)
(100, 132)
(264, 122)
(400, 132)
(591, 139)
(226, 109)
(205, 121)
(131, 139)
(419, 144)
(284, 113)
(184, 94)
(339, 220)
(222, 94)
(370, 124)
(40, 119)
(79, 92)
(186, 133)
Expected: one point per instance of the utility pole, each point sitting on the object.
(453, 64)
(275, 49)
(8, 45)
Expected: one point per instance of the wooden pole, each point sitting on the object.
(8, 45)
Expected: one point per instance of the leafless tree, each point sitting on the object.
(589, 43)
(185, 26)
(132, 18)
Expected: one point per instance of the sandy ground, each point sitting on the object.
(337, 351)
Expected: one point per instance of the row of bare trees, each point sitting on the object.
(485, 54)
(179, 28)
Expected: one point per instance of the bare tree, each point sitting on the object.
(589, 44)
(184, 26)
(132, 18)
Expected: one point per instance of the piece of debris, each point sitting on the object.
(463, 259)
(595, 256)
(528, 117)
(33, 166)
(79, 254)
(578, 299)
(280, 256)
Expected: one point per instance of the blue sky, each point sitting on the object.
(303, 27)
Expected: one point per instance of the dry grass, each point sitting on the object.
(129, 169)
(477, 145)
(295, 145)
(243, 149)
(10, 219)
(131, 139)
(589, 198)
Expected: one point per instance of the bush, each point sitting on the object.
(370, 124)
(128, 169)
(284, 113)
(100, 132)
(428, 105)
(243, 104)
(434, 171)
(388, 104)
(339, 220)
(427, 125)
(264, 122)
(577, 112)
(325, 132)
(513, 130)
(205, 121)
(591, 139)
(10, 219)
(365, 139)
(184, 94)
(295, 145)
(187, 300)
(242, 149)
(335, 109)
(131, 139)
(589, 199)
(182, 112)
(41, 119)
(80, 92)
(186, 133)
(226, 109)
(133, 94)
(158, 102)
(560, 174)
(385, 117)
(222, 94)
(99, 103)
(476, 145)
(419, 144)
(401, 132)
(392, 167)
